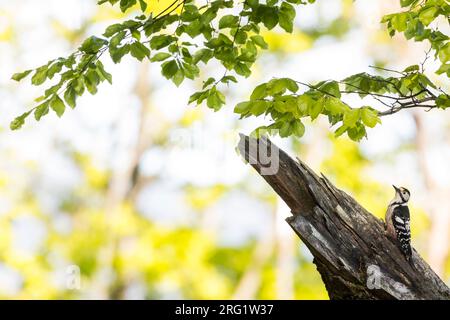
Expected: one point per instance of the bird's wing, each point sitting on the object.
(401, 222)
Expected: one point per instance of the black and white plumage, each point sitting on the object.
(401, 221)
(398, 221)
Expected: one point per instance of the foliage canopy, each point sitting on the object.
(186, 35)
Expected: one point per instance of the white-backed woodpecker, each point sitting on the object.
(398, 221)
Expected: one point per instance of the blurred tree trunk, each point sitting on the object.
(354, 257)
(127, 177)
(250, 281)
(285, 255)
(126, 182)
(437, 202)
(313, 152)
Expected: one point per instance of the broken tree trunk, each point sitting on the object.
(354, 257)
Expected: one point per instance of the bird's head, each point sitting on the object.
(401, 194)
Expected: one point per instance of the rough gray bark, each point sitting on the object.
(354, 257)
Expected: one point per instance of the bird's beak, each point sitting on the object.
(396, 189)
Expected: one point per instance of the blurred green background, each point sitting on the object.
(136, 195)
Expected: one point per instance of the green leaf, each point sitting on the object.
(70, 61)
(91, 80)
(161, 41)
(113, 29)
(340, 131)
(290, 84)
(248, 54)
(52, 90)
(276, 87)
(427, 15)
(259, 92)
(369, 117)
(331, 88)
(357, 133)
(18, 122)
(118, 53)
(443, 101)
(228, 21)
(258, 107)
(405, 3)
(78, 85)
(54, 68)
(270, 18)
(291, 106)
(252, 3)
(424, 81)
(243, 107)
(208, 82)
(190, 70)
(143, 5)
(315, 109)
(195, 96)
(304, 103)
(136, 34)
(178, 77)
(20, 75)
(241, 36)
(169, 68)
(280, 106)
(160, 56)
(194, 28)
(444, 53)
(444, 68)
(116, 40)
(399, 21)
(215, 99)
(259, 41)
(41, 110)
(93, 44)
(335, 106)
(67, 75)
(39, 99)
(70, 97)
(139, 51)
(410, 69)
(125, 4)
(102, 72)
(40, 76)
(203, 55)
(285, 130)
(279, 86)
(298, 129)
(57, 105)
(286, 17)
(227, 79)
(351, 117)
(242, 69)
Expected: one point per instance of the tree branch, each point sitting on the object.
(354, 257)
